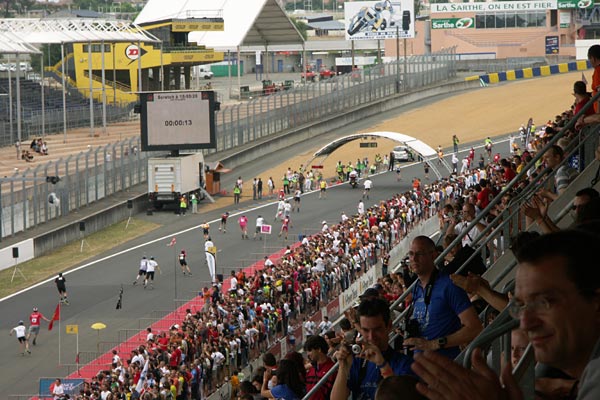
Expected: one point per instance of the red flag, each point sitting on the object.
(55, 317)
(173, 242)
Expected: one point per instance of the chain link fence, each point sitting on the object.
(27, 199)
(288, 109)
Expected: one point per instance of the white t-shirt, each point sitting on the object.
(361, 208)
(58, 390)
(207, 245)
(20, 330)
(309, 328)
(259, 222)
(368, 184)
(151, 265)
(325, 326)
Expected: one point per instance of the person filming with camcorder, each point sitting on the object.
(369, 359)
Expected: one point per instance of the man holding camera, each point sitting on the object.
(442, 318)
(363, 366)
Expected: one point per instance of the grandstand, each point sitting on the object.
(32, 108)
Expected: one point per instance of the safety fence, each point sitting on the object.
(29, 198)
(288, 109)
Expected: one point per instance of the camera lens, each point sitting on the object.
(356, 349)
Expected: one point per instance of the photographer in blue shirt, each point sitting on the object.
(360, 373)
(442, 318)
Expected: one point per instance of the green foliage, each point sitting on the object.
(52, 50)
(16, 7)
(301, 26)
(91, 4)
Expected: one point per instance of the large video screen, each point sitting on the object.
(178, 120)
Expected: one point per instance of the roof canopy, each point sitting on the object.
(36, 31)
(12, 44)
(415, 144)
(247, 23)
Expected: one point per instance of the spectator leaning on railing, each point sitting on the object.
(557, 301)
(443, 316)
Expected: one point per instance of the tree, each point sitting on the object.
(51, 54)
(16, 6)
(301, 26)
(91, 4)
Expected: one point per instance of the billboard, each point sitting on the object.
(552, 45)
(500, 6)
(453, 23)
(367, 20)
(571, 4)
(178, 120)
(70, 386)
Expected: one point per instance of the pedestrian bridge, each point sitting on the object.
(422, 149)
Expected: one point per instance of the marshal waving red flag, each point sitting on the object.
(173, 242)
(55, 317)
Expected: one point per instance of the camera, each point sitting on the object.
(350, 343)
(354, 348)
(412, 329)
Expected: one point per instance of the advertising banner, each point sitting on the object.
(70, 386)
(350, 295)
(367, 20)
(571, 4)
(552, 45)
(494, 6)
(453, 23)
(333, 309)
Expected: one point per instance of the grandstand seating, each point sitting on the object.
(31, 99)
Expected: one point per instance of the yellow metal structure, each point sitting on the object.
(121, 65)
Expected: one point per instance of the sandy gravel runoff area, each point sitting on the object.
(474, 115)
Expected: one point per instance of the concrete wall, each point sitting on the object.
(70, 232)
(25, 247)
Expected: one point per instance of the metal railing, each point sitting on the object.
(306, 103)
(85, 178)
(499, 224)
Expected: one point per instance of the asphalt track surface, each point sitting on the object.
(94, 286)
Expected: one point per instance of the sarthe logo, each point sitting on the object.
(465, 23)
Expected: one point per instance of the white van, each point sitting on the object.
(205, 72)
(403, 153)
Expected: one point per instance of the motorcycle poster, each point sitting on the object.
(368, 20)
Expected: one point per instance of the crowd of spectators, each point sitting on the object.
(211, 346)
